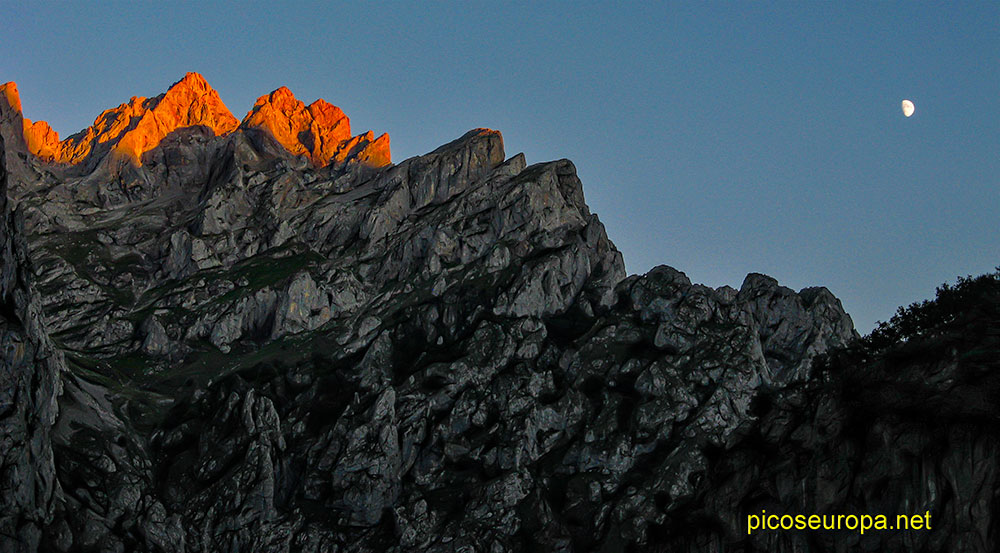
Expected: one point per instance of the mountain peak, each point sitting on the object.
(37, 137)
(138, 126)
(281, 93)
(10, 95)
(11, 124)
(41, 139)
(193, 80)
(320, 131)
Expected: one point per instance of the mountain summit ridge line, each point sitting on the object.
(321, 131)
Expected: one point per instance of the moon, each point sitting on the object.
(908, 108)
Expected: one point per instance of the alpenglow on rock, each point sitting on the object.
(319, 131)
(242, 344)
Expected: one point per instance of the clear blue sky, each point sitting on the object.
(719, 138)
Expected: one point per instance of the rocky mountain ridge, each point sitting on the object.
(231, 348)
(321, 132)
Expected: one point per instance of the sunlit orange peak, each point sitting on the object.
(319, 131)
(11, 96)
(41, 139)
(314, 131)
(138, 126)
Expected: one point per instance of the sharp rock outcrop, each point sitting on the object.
(12, 124)
(319, 131)
(139, 125)
(41, 140)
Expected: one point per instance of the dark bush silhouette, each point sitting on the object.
(959, 315)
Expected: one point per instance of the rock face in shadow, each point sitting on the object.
(259, 354)
(30, 378)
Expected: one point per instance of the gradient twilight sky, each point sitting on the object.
(720, 138)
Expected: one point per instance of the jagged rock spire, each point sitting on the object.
(137, 126)
(319, 131)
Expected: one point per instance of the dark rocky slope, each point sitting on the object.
(440, 355)
(30, 373)
(904, 421)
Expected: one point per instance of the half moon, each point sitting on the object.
(908, 108)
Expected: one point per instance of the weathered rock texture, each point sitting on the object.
(30, 377)
(439, 355)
